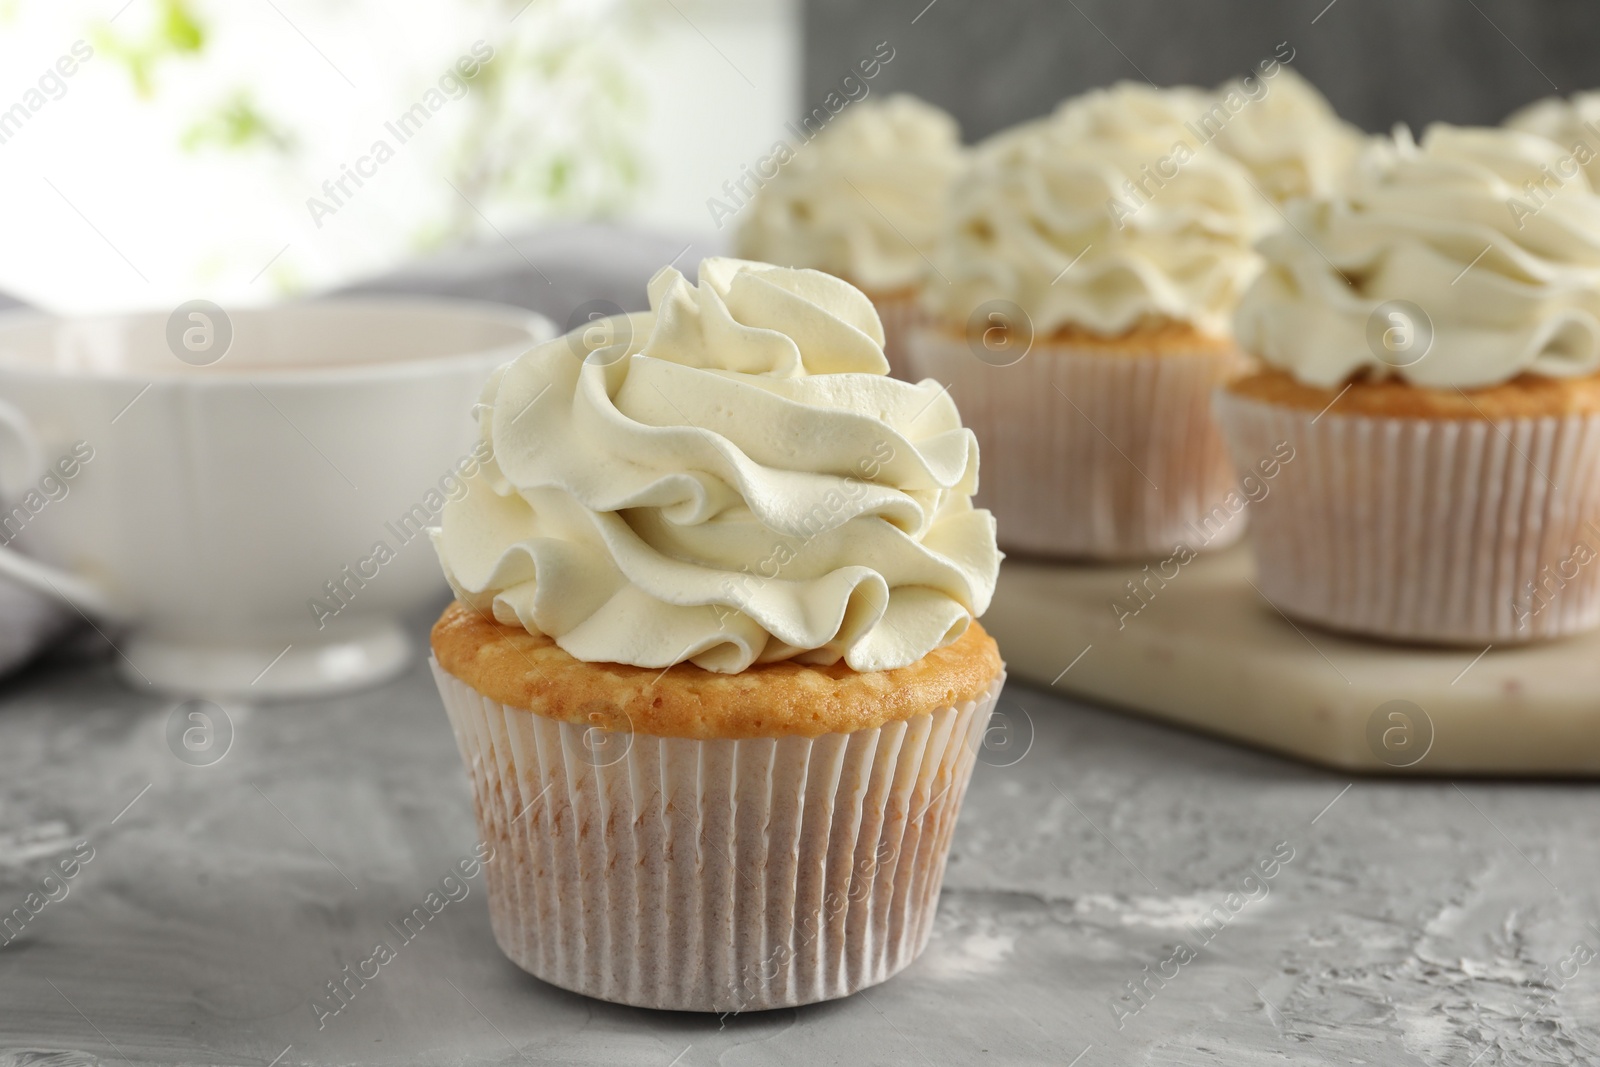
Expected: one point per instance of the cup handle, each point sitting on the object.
(16, 474)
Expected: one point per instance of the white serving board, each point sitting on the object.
(1206, 651)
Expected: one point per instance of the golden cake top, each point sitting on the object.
(1525, 396)
(520, 669)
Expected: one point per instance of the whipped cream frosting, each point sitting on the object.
(730, 478)
(1289, 136)
(864, 200)
(1106, 215)
(1509, 282)
(1573, 123)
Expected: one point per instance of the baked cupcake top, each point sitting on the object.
(1572, 122)
(730, 478)
(1106, 215)
(1507, 283)
(519, 669)
(1289, 136)
(864, 200)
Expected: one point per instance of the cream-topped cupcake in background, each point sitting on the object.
(714, 667)
(1431, 360)
(864, 201)
(1289, 136)
(1090, 271)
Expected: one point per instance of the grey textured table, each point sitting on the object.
(1416, 923)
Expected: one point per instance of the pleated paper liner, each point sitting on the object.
(1094, 454)
(1435, 530)
(900, 311)
(717, 875)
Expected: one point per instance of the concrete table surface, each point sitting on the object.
(1120, 892)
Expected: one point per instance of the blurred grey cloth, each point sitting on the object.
(554, 270)
(28, 622)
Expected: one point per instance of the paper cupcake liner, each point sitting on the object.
(900, 313)
(1435, 530)
(1092, 454)
(717, 875)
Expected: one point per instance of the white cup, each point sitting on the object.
(198, 484)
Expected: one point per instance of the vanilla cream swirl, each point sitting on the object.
(1510, 280)
(1105, 216)
(863, 201)
(1289, 136)
(728, 479)
(1573, 123)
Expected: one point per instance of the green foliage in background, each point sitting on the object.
(237, 124)
(576, 152)
(553, 124)
(177, 32)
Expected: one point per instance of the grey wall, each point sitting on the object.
(995, 62)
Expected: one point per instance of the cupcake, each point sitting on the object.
(864, 201)
(1429, 397)
(1088, 274)
(714, 666)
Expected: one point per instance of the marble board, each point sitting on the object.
(1206, 651)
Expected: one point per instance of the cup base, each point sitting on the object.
(266, 669)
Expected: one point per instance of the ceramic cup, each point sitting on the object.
(237, 500)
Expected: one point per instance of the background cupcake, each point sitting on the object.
(1088, 275)
(1431, 340)
(863, 201)
(714, 670)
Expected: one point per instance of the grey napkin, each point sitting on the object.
(28, 622)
